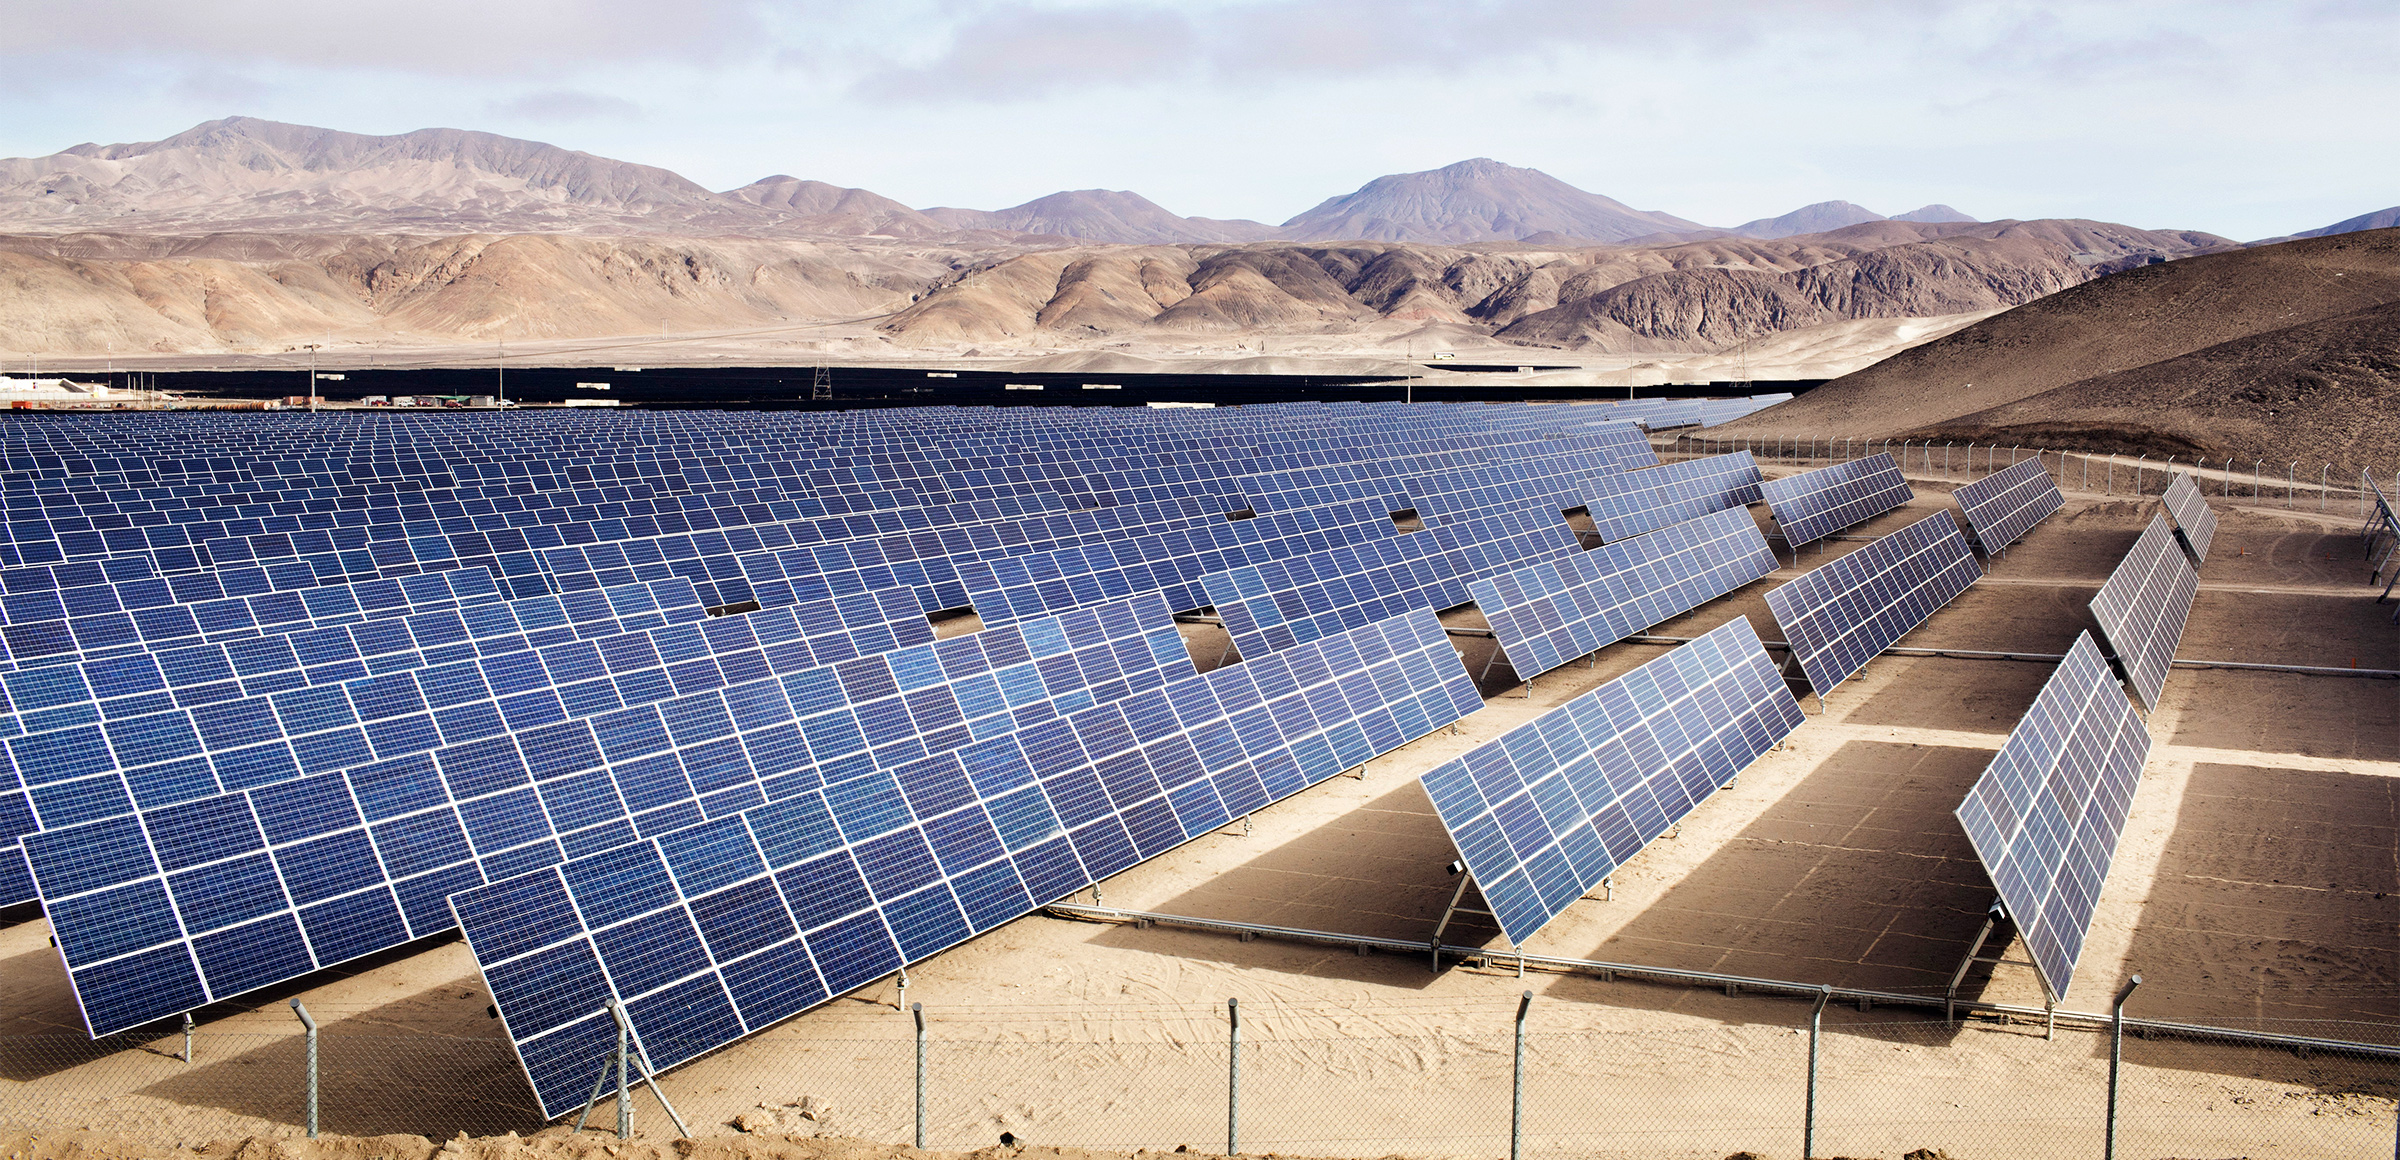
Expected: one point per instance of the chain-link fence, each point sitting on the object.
(2297, 484)
(1451, 1080)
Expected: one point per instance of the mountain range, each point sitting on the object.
(248, 235)
(247, 174)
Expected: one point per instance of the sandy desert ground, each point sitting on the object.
(2255, 886)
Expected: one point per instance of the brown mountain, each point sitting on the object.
(1102, 215)
(2287, 349)
(1722, 291)
(1475, 201)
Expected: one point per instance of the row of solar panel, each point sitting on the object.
(485, 768)
(707, 940)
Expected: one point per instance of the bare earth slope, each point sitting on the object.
(2247, 352)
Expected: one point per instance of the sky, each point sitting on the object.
(2248, 120)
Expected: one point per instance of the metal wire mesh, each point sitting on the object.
(1315, 1080)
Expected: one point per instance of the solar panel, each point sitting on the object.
(1815, 504)
(1627, 503)
(2006, 504)
(2194, 522)
(1838, 616)
(2045, 816)
(423, 782)
(1550, 613)
(1549, 809)
(1278, 603)
(2142, 608)
(713, 933)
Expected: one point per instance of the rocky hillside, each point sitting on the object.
(2290, 349)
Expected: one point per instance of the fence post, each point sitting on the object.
(2324, 484)
(2116, 1059)
(624, 1089)
(918, 1010)
(1516, 1098)
(2258, 472)
(1233, 1079)
(2291, 482)
(302, 1011)
(1816, 1022)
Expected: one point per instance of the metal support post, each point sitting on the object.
(302, 1011)
(1816, 1024)
(1233, 1078)
(2116, 1060)
(918, 1010)
(187, 1037)
(1516, 1101)
(624, 1094)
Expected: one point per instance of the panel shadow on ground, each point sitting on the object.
(1858, 877)
(2276, 904)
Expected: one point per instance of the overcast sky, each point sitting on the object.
(2242, 119)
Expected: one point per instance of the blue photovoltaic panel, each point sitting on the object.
(2194, 521)
(2045, 816)
(2143, 606)
(1550, 613)
(1627, 503)
(1839, 615)
(1546, 811)
(1279, 603)
(451, 776)
(2006, 504)
(710, 934)
(1815, 504)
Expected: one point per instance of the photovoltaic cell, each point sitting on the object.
(2006, 504)
(1550, 613)
(1628, 503)
(440, 779)
(710, 934)
(2046, 814)
(2194, 521)
(1838, 616)
(2143, 606)
(1546, 811)
(1815, 504)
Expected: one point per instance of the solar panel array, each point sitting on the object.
(2194, 521)
(350, 811)
(2142, 607)
(276, 685)
(711, 933)
(2006, 504)
(1812, 505)
(1546, 811)
(1626, 504)
(1550, 613)
(2046, 814)
(1837, 617)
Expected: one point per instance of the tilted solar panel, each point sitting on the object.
(1550, 613)
(2045, 816)
(1815, 504)
(2143, 606)
(2006, 504)
(1549, 809)
(1278, 603)
(2194, 521)
(717, 932)
(1839, 615)
(431, 781)
(1627, 503)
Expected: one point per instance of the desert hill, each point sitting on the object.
(2382, 219)
(1475, 201)
(1102, 215)
(2284, 349)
